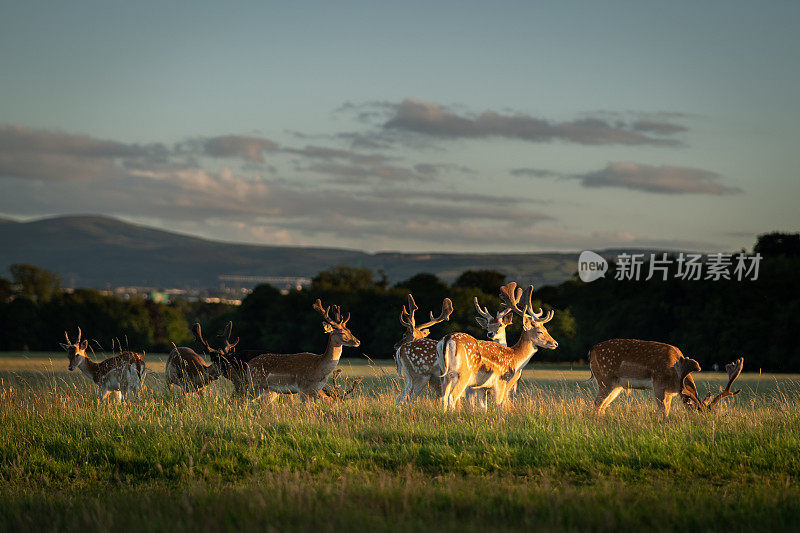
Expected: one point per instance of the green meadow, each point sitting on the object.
(172, 463)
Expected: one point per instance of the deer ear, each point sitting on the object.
(84, 344)
(65, 346)
(327, 327)
(507, 319)
(482, 322)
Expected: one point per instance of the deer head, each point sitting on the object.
(685, 366)
(335, 326)
(420, 331)
(532, 321)
(337, 392)
(218, 355)
(495, 326)
(75, 350)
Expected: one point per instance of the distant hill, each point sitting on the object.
(95, 251)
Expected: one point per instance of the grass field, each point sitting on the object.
(171, 463)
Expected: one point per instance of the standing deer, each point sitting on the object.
(495, 327)
(415, 353)
(188, 370)
(469, 362)
(304, 373)
(624, 364)
(116, 376)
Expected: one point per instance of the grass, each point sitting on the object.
(167, 462)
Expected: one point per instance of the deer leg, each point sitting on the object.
(512, 384)
(663, 399)
(605, 395)
(458, 390)
(436, 384)
(407, 385)
(449, 381)
(418, 386)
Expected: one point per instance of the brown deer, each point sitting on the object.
(116, 376)
(337, 393)
(686, 366)
(415, 353)
(625, 364)
(188, 370)
(495, 327)
(469, 362)
(303, 373)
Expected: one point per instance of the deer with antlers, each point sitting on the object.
(415, 353)
(189, 371)
(116, 376)
(469, 362)
(625, 364)
(303, 373)
(495, 327)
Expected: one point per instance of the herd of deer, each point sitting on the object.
(453, 366)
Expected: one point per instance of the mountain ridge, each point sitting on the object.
(101, 251)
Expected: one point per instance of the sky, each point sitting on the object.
(411, 126)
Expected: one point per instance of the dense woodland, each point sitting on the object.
(711, 321)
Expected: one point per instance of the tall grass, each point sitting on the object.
(70, 462)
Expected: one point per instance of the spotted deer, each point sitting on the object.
(117, 376)
(303, 373)
(189, 371)
(685, 366)
(495, 327)
(469, 362)
(625, 364)
(415, 353)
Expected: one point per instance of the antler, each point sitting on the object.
(78, 341)
(447, 310)
(198, 334)
(407, 315)
(685, 366)
(337, 321)
(484, 312)
(227, 336)
(733, 369)
(511, 296)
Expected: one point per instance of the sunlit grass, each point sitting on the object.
(72, 462)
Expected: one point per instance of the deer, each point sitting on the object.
(469, 362)
(116, 376)
(337, 393)
(626, 364)
(415, 353)
(685, 366)
(189, 371)
(303, 373)
(495, 327)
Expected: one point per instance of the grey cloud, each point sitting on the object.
(59, 156)
(657, 179)
(240, 146)
(660, 127)
(535, 173)
(433, 119)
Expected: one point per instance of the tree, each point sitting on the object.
(488, 281)
(345, 278)
(6, 290)
(38, 284)
(777, 243)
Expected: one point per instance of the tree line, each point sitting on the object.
(711, 321)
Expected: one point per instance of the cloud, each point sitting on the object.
(662, 179)
(240, 146)
(433, 119)
(535, 173)
(56, 155)
(657, 179)
(660, 127)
